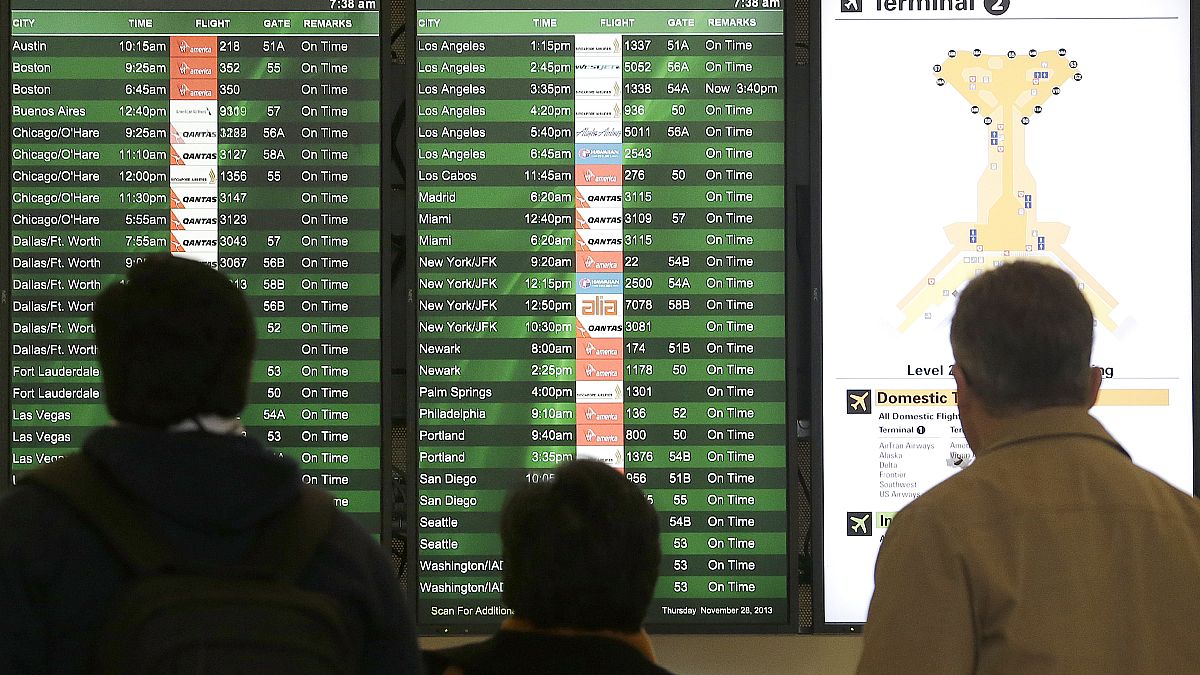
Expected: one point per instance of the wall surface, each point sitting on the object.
(741, 654)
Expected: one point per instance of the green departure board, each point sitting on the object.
(600, 273)
(245, 135)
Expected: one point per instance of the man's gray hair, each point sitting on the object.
(1022, 336)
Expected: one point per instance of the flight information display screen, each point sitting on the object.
(245, 135)
(984, 132)
(600, 273)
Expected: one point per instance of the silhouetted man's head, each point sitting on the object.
(580, 551)
(1022, 339)
(175, 340)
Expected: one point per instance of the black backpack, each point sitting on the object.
(180, 616)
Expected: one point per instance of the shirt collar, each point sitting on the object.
(1051, 422)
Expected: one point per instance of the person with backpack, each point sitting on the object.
(173, 542)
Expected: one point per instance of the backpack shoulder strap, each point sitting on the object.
(290, 538)
(102, 503)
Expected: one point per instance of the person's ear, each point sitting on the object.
(1094, 386)
(960, 381)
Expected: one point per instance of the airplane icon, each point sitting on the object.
(858, 401)
(850, 6)
(858, 524)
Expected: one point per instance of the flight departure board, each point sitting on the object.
(600, 273)
(245, 135)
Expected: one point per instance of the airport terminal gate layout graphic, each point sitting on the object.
(1006, 91)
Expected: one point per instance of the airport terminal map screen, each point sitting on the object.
(984, 132)
(600, 273)
(244, 135)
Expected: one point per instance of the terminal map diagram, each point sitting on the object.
(1007, 91)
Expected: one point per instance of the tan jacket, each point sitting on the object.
(1052, 553)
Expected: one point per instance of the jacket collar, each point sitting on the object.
(1048, 423)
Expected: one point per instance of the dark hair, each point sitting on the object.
(580, 551)
(175, 339)
(1022, 335)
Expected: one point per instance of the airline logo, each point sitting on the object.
(190, 197)
(599, 370)
(597, 87)
(600, 305)
(193, 45)
(598, 153)
(599, 413)
(590, 239)
(592, 349)
(185, 132)
(598, 328)
(597, 110)
(599, 434)
(598, 174)
(597, 43)
(589, 131)
(176, 247)
(193, 90)
(193, 111)
(194, 154)
(204, 254)
(599, 261)
(612, 456)
(194, 68)
(195, 219)
(198, 239)
(590, 196)
(587, 66)
(599, 391)
(194, 175)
